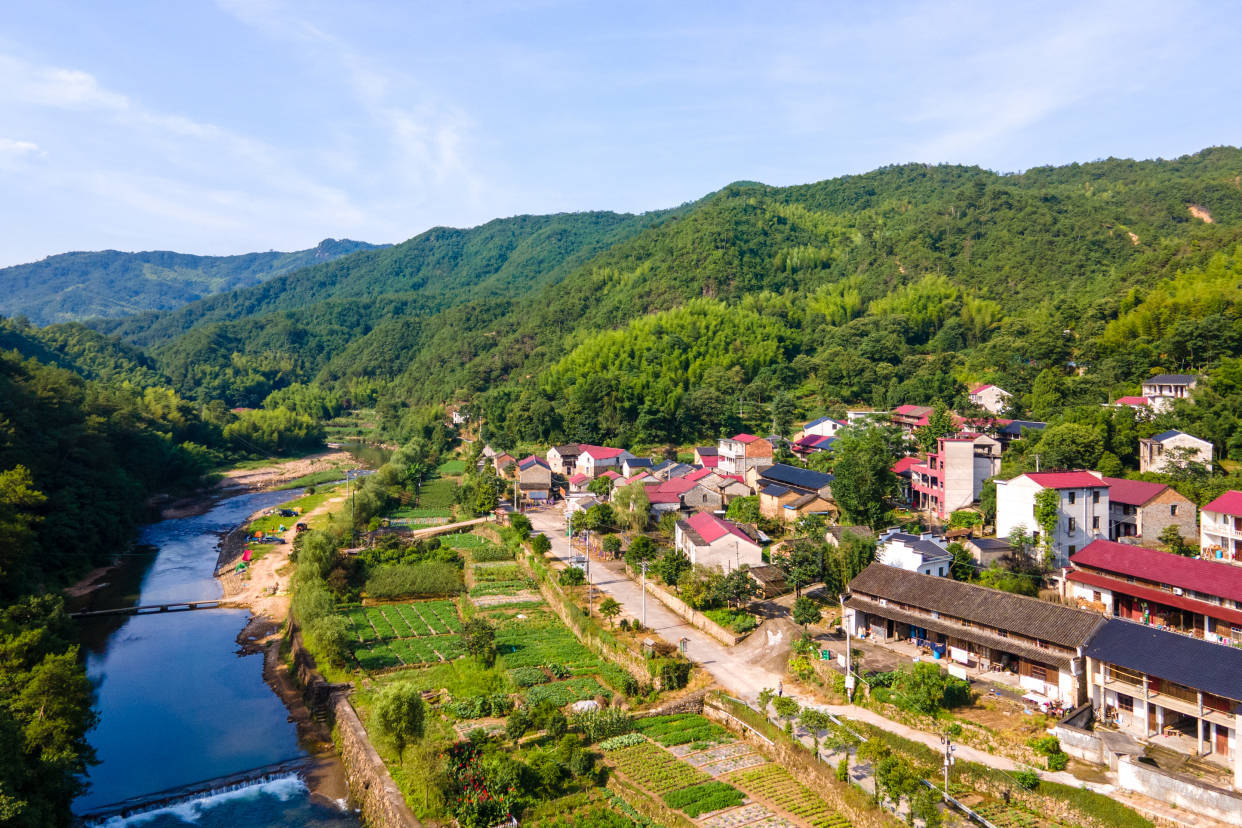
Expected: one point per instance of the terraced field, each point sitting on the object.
(773, 784)
(393, 635)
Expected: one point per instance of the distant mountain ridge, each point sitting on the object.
(109, 283)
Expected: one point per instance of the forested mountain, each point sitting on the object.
(108, 283)
(901, 285)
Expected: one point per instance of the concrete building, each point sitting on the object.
(1082, 509)
(1150, 683)
(923, 553)
(534, 478)
(743, 452)
(910, 417)
(1220, 528)
(1186, 595)
(990, 398)
(987, 551)
(713, 541)
(1039, 645)
(823, 427)
(1173, 450)
(563, 460)
(595, 460)
(952, 477)
(1163, 390)
(1138, 509)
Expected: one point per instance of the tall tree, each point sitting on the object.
(864, 480)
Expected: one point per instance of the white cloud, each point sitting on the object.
(10, 147)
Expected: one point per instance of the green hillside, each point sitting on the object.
(905, 284)
(108, 283)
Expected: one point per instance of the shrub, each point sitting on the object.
(882, 695)
(785, 706)
(527, 676)
(1047, 745)
(815, 719)
(573, 576)
(843, 769)
(406, 580)
(1058, 761)
(625, 740)
(1027, 779)
(672, 673)
(801, 668)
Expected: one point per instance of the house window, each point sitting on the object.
(1095, 497)
(1097, 597)
(1095, 522)
(1125, 703)
(1073, 549)
(1073, 524)
(1038, 673)
(1173, 510)
(1072, 497)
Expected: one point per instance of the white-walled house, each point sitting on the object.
(990, 398)
(923, 553)
(823, 427)
(1220, 528)
(595, 460)
(1082, 511)
(1163, 389)
(1169, 450)
(713, 541)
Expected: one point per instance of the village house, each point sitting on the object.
(1171, 450)
(1141, 405)
(788, 493)
(910, 417)
(670, 469)
(1186, 595)
(952, 477)
(579, 483)
(633, 465)
(502, 462)
(670, 495)
(706, 456)
(563, 460)
(534, 478)
(990, 398)
(923, 553)
(714, 541)
(1151, 682)
(987, 551)
(1142, 510)
(1009, 430)
(1220, 528)
(823, 427)
(1163, 389)
(595, 460)
(1082, 513)
(743, 452)
(810, 444)
(1036, 644)
(904, 469)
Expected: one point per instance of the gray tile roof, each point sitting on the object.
(1212, 668)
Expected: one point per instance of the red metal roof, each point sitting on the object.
(745, 438)
(913, 410)
(654, 496)
(696, 475)
(712, 528)
(1132, 401)
(710, 461)
(611, 475)
(1230, 503)
(579, 478)
(980, 389)
(1209, 577)
(1157, 596)
(1132, 492)
(904, 464)
(600, 452)
(1067, 480)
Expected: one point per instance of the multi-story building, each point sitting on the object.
(910, 417)
(990, 398)
(1163, 389)
(1151, 682)
(923, 553)
(1220, 528)
(952, 477)
(1186, 595)
(563, 460)
(1082, 510)
(534, 478)
(595, 460)
(1138, 509)
(1039, 642)
(1173, 450)
(743, 452)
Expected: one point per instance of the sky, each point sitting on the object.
(238, 125)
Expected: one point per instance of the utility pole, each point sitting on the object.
(849, 666)
(948, 760)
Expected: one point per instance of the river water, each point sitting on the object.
(178, 703)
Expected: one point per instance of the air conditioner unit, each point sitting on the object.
(1177, 591)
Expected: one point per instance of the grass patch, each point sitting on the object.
(404, 580)
(736, 620)
(452, 468)
(497, 572)
(304, 504)
(315, 479)
(437, 494)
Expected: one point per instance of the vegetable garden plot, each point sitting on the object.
(1015, 816)
(748, 815)
(656, 769)
(424, 618)
(541, 638)
(774, 784)
(561, 693)
(682, 729)
(704, 798)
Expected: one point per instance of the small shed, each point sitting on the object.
(771, 579)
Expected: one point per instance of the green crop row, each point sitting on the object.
(704, 798)
(656, 769)
(773, 783)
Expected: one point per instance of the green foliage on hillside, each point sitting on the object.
(108, 283)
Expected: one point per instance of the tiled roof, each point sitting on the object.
(1230, 503)
(991, 543)
(707, 451)
(611, 475)
(980, 389)
(1157, 596)
(1132, 401)
(532, 460)
(579, 478)
(1013, 428)
(913, 410)
(1067, 480)
(1132, 492)
(654, 496)
(712, 528)
(639, 462)
(1201, 665)
(1165, 435)
(744, 438)
(1170, 379)
(600, 452)
(1209, 577)
(570, 450)
(1016, 613)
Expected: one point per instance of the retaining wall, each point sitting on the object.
(1182, 791)
(370, 785)
(692, 617)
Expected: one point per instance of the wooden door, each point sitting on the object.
(1151, 718)
(1222, 740)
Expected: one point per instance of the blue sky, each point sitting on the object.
(238, 125)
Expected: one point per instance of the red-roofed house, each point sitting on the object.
(910, 417)
(706, 456)
(502, 462)
(743, 452)
(990, 398)
(1187, 595)
(595, 459)
(1133, 402)
(1220, 528)
(712, 541)
(904, 478)
(809, 444)
(579, 482)
(1082, 511)
(1138, 509)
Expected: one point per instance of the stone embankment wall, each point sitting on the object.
(370, 784)
(1182, 791)
(693, 617)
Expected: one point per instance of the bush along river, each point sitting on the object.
(189, 731)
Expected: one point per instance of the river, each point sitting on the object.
(178, 703)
